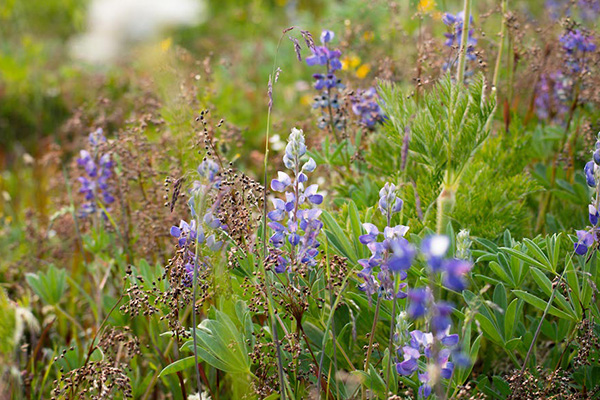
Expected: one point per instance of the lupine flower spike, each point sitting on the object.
(588, 238)
(191, 234)
(98, 168)
(295, 220)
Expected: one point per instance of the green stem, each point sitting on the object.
(391, 343)
(263, 270)
(371, 339)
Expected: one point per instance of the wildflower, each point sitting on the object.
(327, 82)
(590, 237)
(198, 230)
(553, 95)
(576, 45)
(364, 105)
(394, 255)
(420, 345)
(295, 220)
(453, 37)
(99, 168)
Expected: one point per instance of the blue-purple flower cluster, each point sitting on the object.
(587, 238)
(393, 255)
(420, 346)
(553, 96)
(554, 91)
(436, 346)
(588, 9)
(577, 46)
(295, 220)
(327, 83)
(365, 105)
(98, 168)
(191, 234)
(453, 37)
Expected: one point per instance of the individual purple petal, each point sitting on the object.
(593, 215)
(589, 173)
(175, 231)
(327, 36)
(450, 340)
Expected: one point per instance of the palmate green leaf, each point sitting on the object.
(220, 344)
(49, 286)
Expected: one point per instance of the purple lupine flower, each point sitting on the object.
(593, 215)
(295, 218)
(590, 172)
(394, 255)
(389, 203)
(585, 240)
(327, 36)
(209, 169)
(420, 345)
(327, 83)
(455, 271)
(553, 96)
(434, 249)
(365, 105)
(576, 45)
(453, 37)
(202, 229)
(590, 9)
(418, 300)
(99, 168)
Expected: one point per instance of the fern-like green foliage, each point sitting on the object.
(451, 148)
(446, 127)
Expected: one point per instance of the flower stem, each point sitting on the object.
(372, 338)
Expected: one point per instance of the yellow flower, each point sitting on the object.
(166, 44)
(362, 71)
(368, 36)
(350, 62)
(426, 6)
(306, 100)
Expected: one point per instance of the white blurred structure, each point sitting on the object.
(113, 25)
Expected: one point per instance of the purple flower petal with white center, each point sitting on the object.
(593, 215)
(434, 248)
(585, 240)
(371, 235)
(327, 36)
(310, 165)
(283, 181)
